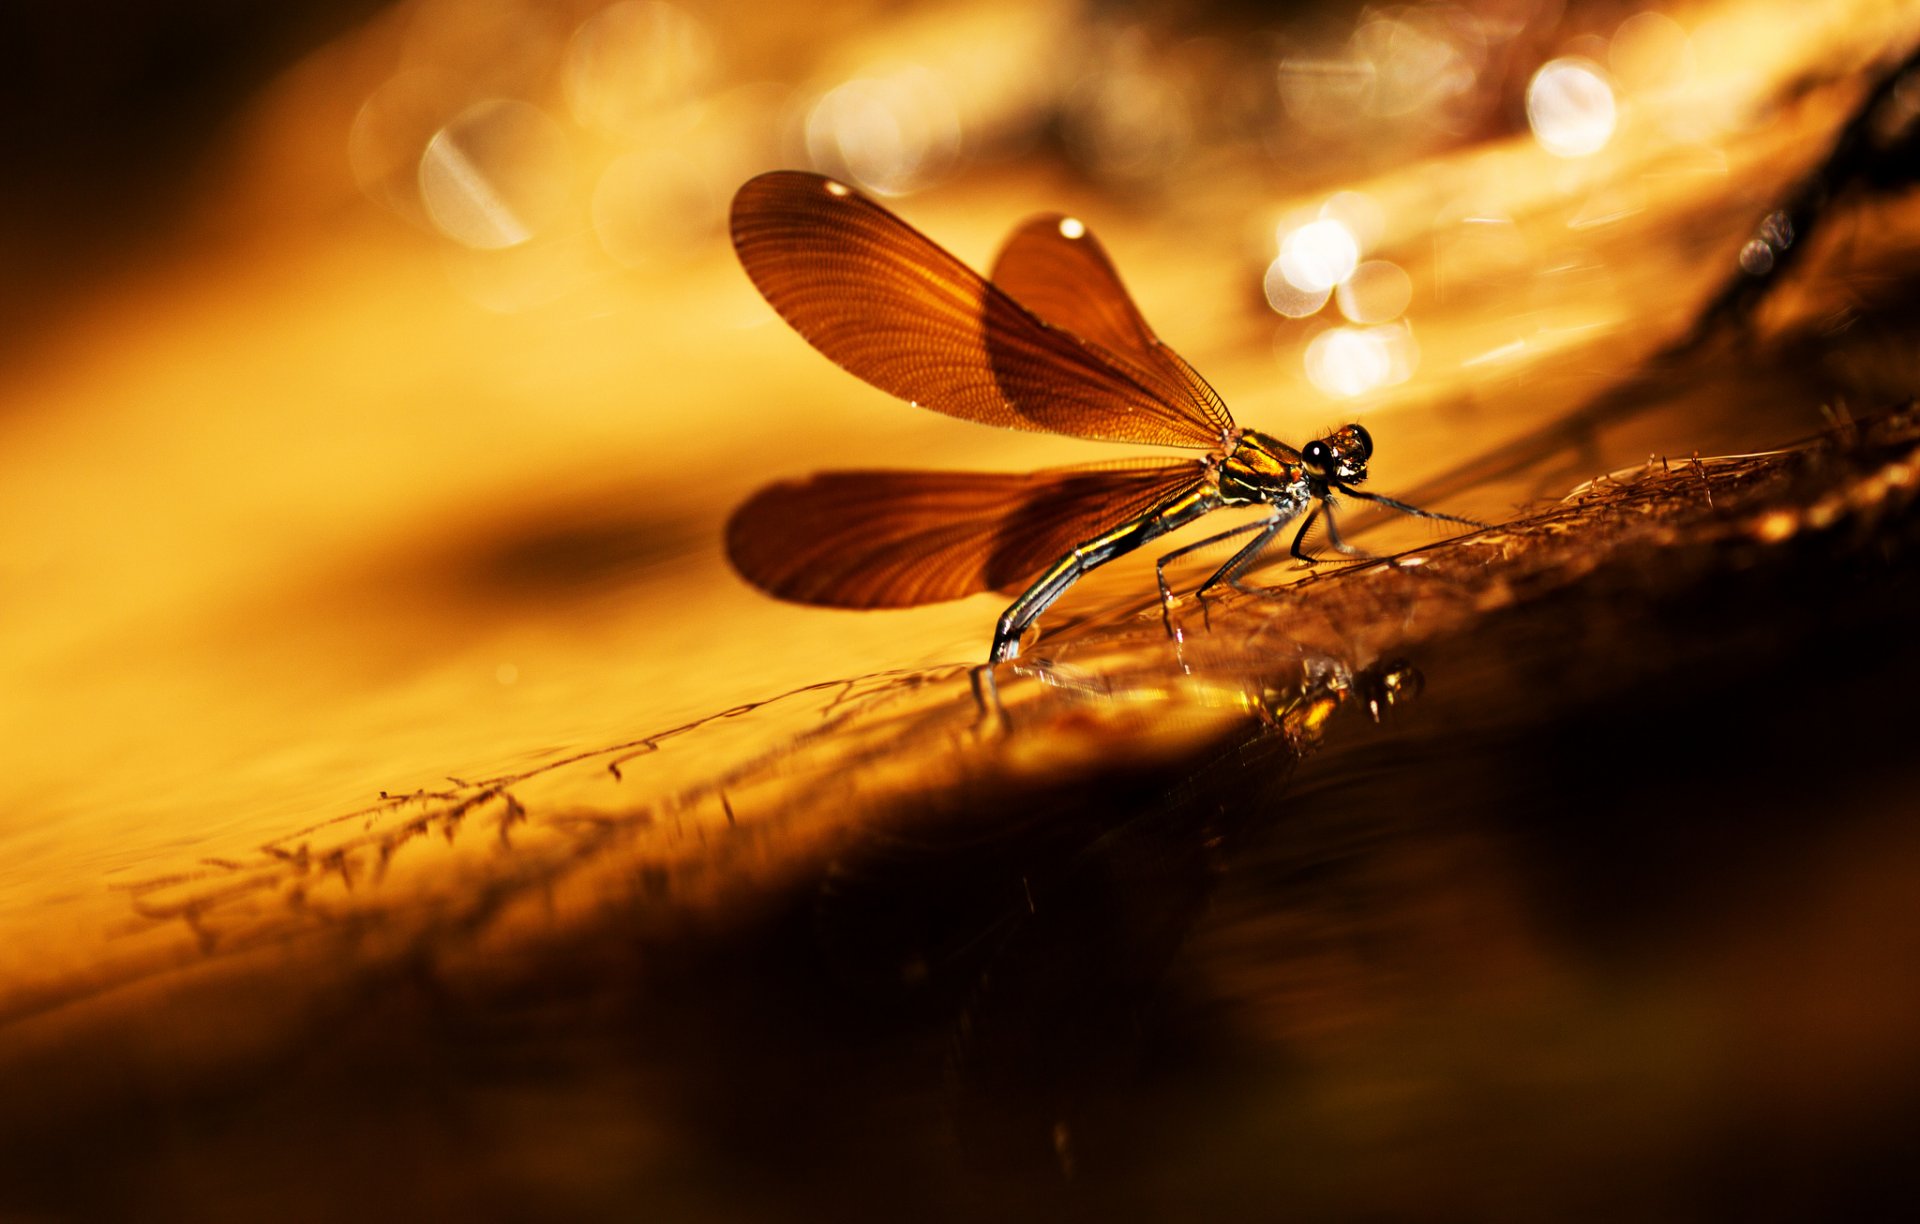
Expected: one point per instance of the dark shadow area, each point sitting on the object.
(109, 117)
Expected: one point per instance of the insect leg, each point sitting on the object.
(1339, 545)
(1094, 553)
(1160, 566)
(1415, 511)
(1300, 536)
(1238, 562)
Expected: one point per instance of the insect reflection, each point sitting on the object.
(1053, 343)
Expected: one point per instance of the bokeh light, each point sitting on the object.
(1570, 107)
(1351, 361)
(1650, 51)
(1322, 94)
(1363, 216)
(1421, 59)
(496, 175)
(890, 133)
(384, 420)
(1289, 299)
(1759, 255)
(393, 125)
(1318, 255)
(634, 62)
(1418, 65)
(1379, 291)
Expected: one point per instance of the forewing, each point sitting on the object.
(885, 303)
(886, 539)
(1057, 269)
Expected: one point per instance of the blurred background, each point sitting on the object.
(375, 378)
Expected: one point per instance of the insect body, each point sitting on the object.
(1052, 343)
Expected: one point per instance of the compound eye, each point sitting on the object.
(1318, 454)
(1365, 440)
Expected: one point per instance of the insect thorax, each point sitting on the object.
(1261, 468)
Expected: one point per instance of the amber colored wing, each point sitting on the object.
(885, 303)
(1057, 269)
(885, 539)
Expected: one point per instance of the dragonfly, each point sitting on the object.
(1051, 343)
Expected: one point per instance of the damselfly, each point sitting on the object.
(1052, 343)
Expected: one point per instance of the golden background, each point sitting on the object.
(369, 414)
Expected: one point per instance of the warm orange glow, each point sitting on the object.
(400, 449)
(294, 513)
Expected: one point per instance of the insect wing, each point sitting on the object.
(895, 539)
(888, 305)
(1057, 269)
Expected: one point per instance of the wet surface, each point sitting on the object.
(410, 813)
(1554, 911)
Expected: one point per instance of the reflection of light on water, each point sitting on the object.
(1776, 235)
(1320, 259)
(1288, 299)
(1421, 59)
(1323, 93)
(1322, 253)
(1319, 255)
(392, 126)
(1360, 213)
(1570, 108)
(1346, 361)
(890, 134)
(1377, 292)
(632, 61)
(1405, 63)
(1756, 258)
(495, 175)
(1506, 352)
(1350, 361)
